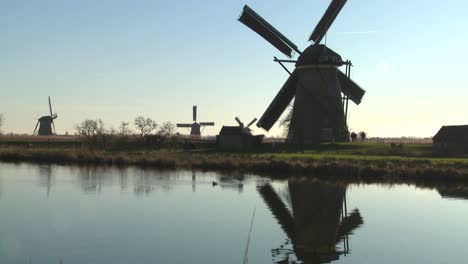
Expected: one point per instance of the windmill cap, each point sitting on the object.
(319, 55)
(45, 118)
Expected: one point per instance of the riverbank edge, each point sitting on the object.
(328, 168)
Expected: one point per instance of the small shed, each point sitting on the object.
(237, 138)
(451, 140)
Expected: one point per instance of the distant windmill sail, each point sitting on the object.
(184, 125)
(50, 107)
(194, 113)
(35, 128)
(245, 129)
(53, 126)
(251, 122)
(207, 123)
(239, 122)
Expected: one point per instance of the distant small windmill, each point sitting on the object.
(246, 129)
(238, 138)
(46, 124)
(195, 126)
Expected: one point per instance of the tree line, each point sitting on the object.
(2, 119)
(95, 134)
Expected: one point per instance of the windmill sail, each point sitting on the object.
(350, 88)
(251, 122)
(50, 107)
(255, 22)
(279, 103)
(207, 123)
(327, 20)
(239, 122)
(184, 125)
(278, 208)
(35, 129)
(194, 113)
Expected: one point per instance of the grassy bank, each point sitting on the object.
(356, 168)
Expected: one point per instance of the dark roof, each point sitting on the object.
(452, 133)
(231, 130)
(45, 118)
(319, 55)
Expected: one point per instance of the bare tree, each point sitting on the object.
(124, 129)
(2, 119)
(91, 131)
(112, 131)
(145, 125)
(286, 120)
(167, 129)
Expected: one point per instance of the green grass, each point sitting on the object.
(349, 167)
(356, 161)
(364, 157)
(375, 149)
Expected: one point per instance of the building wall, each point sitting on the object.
(317, 106)
(230, 142)
(449, 148)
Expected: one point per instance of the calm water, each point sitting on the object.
(107, 215)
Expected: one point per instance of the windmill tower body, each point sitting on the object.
(318, 111)
(316, 220)
(320, 89)
(195, 130)
(45, 126)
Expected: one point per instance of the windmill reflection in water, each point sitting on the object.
(315, 218)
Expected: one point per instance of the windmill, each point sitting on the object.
(245, 129)
(46, 123)
(195, 126)
(238, 138)
(315, 219)
(320, 89)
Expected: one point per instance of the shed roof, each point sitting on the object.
(452, 133)
(231, 130)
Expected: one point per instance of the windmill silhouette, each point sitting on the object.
(195, 126)
(245, 129)
(315, 219)
(46, 124)
(320, 89)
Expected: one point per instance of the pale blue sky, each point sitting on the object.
(118, 59)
